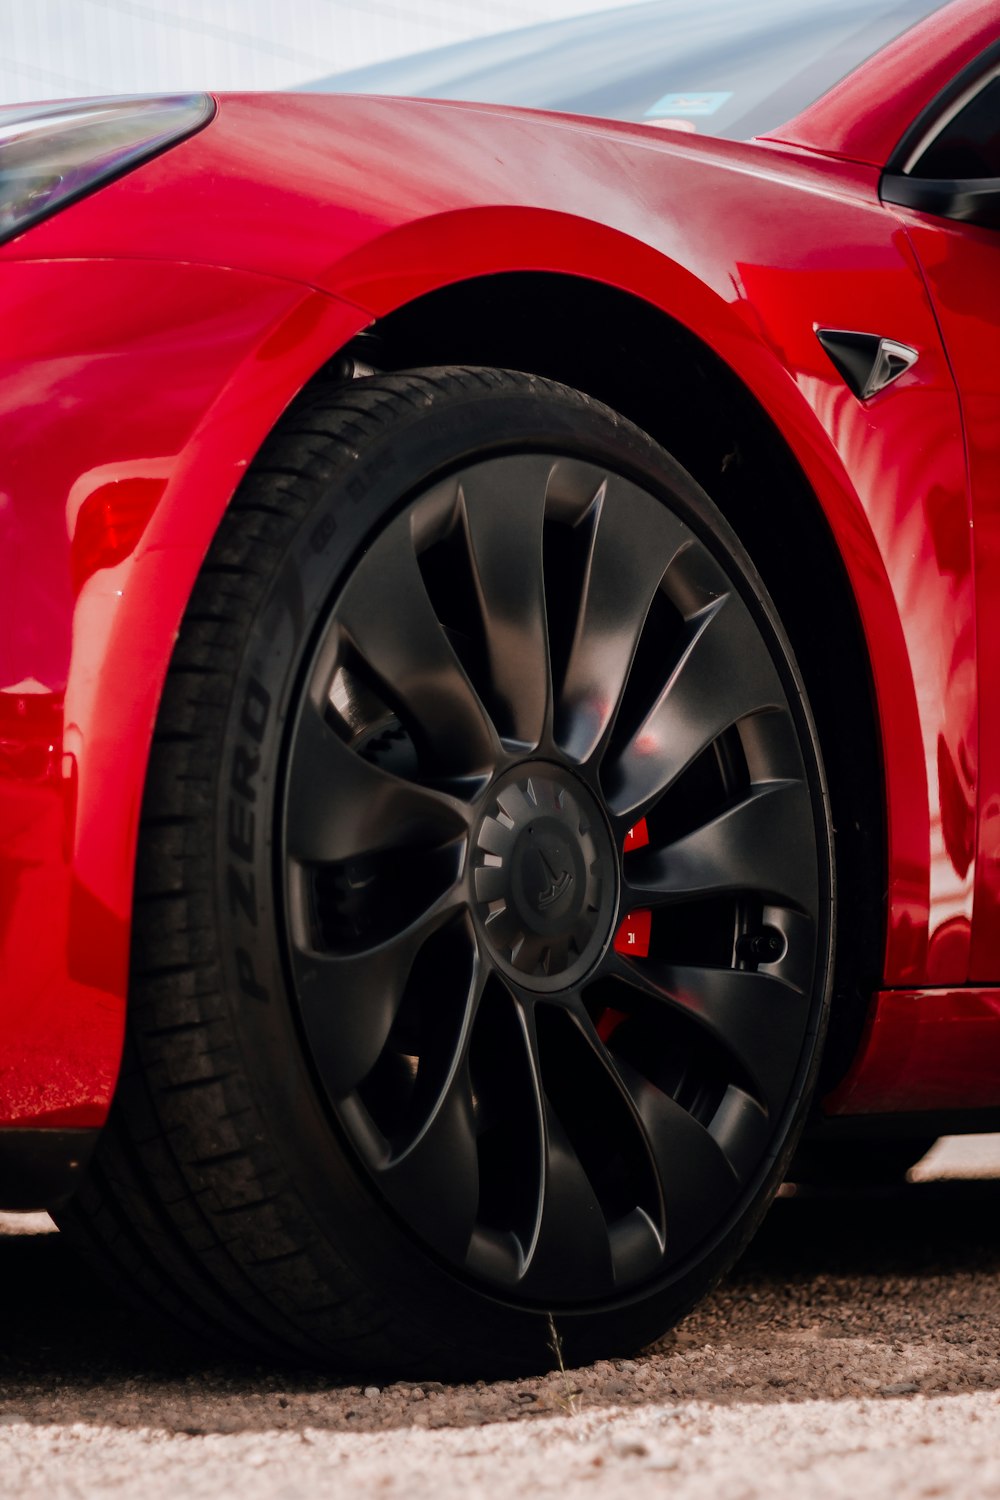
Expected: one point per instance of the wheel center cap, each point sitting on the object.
(544, 877)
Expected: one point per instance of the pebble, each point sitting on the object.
(629, 1447)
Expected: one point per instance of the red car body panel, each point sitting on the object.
(154, 332)
(922, 1051)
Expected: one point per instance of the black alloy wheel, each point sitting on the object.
(525, 978)
(533, 659)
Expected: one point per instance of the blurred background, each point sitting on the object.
(57, 49)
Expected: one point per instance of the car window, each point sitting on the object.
(721, 67)
(969, 143)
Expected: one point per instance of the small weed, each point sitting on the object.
(570, 1398)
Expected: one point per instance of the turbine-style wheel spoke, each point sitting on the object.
(764, 844)
(723, 674)
(742, 1129)
(387, 616)
(503, 511)
(340, 805)
(349, 1001)
(637, 1238)
(631, 542)
(697, 1181)
(689, 1164)
(432, 1177)
(434, 1183)
(757, 1017)
(570, 1254)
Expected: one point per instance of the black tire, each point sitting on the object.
(410, 1167)
(862, 1163)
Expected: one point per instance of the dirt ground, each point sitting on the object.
(853, 1353)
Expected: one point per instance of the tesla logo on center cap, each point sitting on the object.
(559, 882)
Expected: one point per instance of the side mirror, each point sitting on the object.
(970, 200)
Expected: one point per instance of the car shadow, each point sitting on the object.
(913, 1229)
(841, 1295)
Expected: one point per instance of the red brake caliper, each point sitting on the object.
(632, 937)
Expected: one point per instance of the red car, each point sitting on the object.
(498, 723)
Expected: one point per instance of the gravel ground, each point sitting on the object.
(853, 1352)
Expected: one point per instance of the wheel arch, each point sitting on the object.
(630, 354)
(623, 349)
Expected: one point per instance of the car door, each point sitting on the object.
(944, 182)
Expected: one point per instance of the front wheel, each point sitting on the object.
(484, 900)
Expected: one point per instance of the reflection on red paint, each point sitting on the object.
(30, 732)
(924, 1050)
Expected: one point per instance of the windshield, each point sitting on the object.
(724, 67)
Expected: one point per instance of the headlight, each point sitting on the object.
(50, 155)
